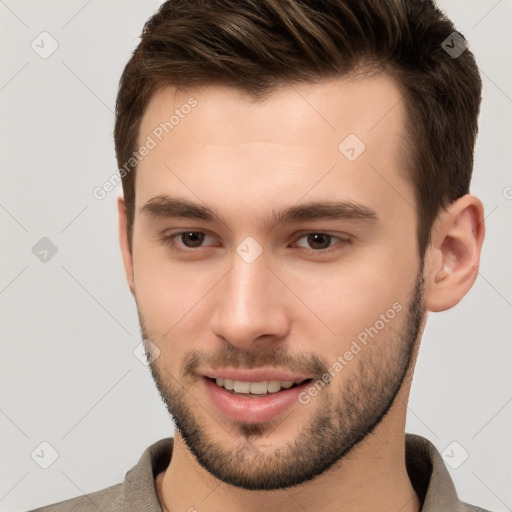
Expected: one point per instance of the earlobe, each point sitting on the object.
(125, 244)
(453, 258)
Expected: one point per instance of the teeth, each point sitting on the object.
(241, 387)
(274, 386)
(256, 388)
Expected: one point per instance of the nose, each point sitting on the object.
(250, 307)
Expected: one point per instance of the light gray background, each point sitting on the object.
(69, 326)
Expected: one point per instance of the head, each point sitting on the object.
(296, 191)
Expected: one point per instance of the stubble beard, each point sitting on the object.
(341, 420)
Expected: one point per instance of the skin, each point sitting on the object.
(294, 304)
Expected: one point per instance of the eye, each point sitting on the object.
(188, 239)
(321, 241)
(315, 241)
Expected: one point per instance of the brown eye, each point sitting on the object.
(192, 238)
(319, 240)
(185, 240)
(322, 242)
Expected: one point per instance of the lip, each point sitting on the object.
(248, 409)
(255, 375)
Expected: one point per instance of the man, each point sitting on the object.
(296, 200)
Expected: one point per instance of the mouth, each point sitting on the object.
(256, 388)
(253, 401)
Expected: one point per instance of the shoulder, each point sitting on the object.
(137, 491)
(473, 508)
(107, 499)
(431, 478)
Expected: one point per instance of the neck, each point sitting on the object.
(371, 477)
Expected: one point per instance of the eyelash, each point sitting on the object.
(170, 241)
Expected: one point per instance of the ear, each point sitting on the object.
(125, 244)
(453, 257)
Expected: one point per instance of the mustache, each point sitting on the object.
(277, 357)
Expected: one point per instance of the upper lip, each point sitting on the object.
(255, 375)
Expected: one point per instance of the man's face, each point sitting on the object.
(309, 294)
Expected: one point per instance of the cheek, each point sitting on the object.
(168, 303)
(347, 299)
(170, 296)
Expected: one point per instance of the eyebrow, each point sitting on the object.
(164, 206)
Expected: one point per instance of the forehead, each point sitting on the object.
(343, 138)
(226, 114)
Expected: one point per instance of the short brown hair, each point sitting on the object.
(258, 45)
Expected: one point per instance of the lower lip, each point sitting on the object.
(247, 409)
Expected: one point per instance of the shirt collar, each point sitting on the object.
(425, 466)
(429, 476)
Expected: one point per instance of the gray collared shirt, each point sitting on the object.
(427, 471)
